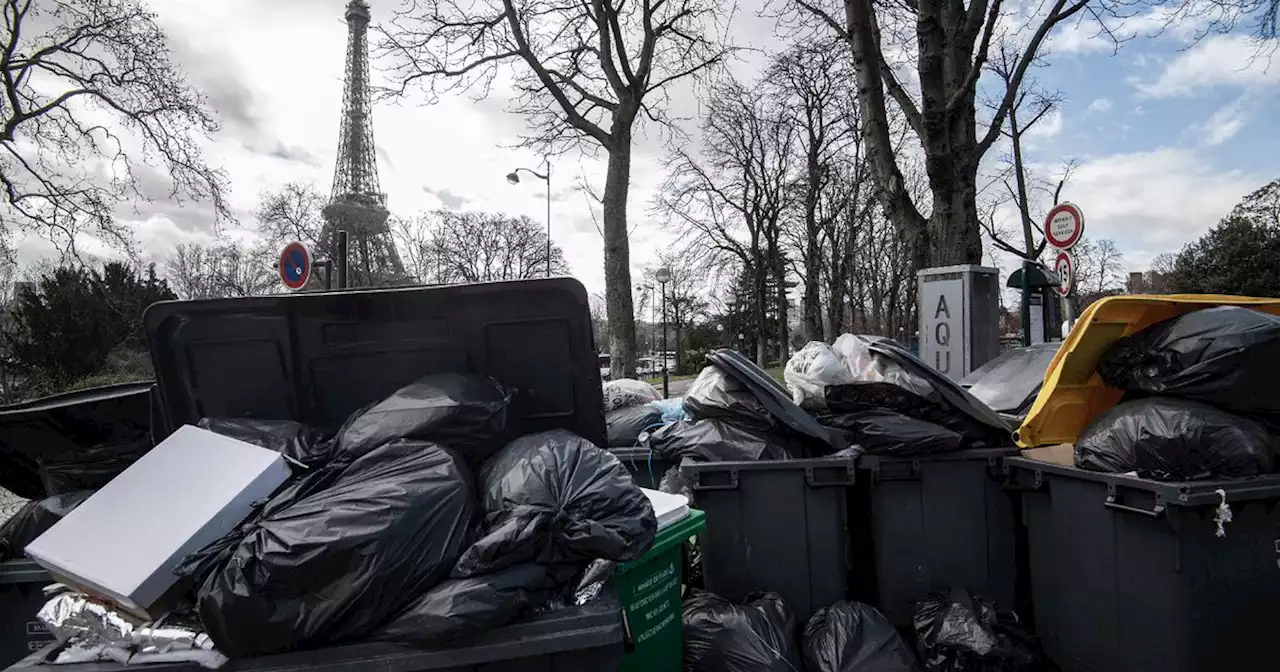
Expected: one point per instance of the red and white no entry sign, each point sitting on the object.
(1064, 265)
(1064, 225)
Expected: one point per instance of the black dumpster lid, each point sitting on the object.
(318, 357)
(1038, 278)
(773, 396)
(954, 394)
(1010, 382)
(1168, 493)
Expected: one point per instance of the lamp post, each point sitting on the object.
(514, 178)
(663, 276)
(731, 302)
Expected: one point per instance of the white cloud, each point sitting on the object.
(1220, 60)
(1179, 24)
(1049, 126)
(1100, 105)
(1156, 201)
(1226, 122)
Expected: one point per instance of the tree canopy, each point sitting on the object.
(1241, 255)
(79, 322)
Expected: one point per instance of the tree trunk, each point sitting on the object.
(812, 309)
(617, 256)
(762, 322)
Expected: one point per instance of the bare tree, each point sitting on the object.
(1099, 270)
(584, 74)
(485, 247)
(812, 88)
(732, 198)
(221, 270)
(685, 295)
(291, 213)
(948, 45)
(92, 102)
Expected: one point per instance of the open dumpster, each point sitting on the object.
(316, 358)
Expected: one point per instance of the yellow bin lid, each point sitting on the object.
(1073, 394)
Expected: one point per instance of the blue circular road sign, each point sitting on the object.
(295, 265)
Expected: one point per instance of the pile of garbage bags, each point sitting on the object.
(1199, 401)
(955, 632)
(419, 521)
(887, 402)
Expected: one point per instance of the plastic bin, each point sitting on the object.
(579, 639)
(21, 596)
(646, 468)
(779, 526)
(650, 591)
(922, 524)
(1128, 574)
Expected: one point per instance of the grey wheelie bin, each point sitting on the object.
(1135, 575)
(22, 584)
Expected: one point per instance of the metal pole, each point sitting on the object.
(342, 259)
(548, 160)
(666, 379)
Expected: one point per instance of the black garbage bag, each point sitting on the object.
(461, 608)
(854, 637)
(299, 442)
(338, 552)
(861, 397)
(721, 441)
(1175, 440)
(91, 468)
(884, 432)
(33, 519)
(555, 498)
(1227, 356)
(465, 412)
(625, 425)
(963, 633)
(757, 636)
(715, 395)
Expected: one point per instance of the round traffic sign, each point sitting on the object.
(295, 265)
(1065, 266)
(1064, 225)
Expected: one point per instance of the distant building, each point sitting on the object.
(1148, 282)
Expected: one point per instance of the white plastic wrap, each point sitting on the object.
(865, 366)
(627, 393)
(811, 370)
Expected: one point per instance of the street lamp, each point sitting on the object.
(663, 276)
(513, 177)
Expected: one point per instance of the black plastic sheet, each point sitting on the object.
(1227, 356)
(457, 609)
(55, 430)
(301, 443)
(465, 412)
(963, 633)
(756, 636)
(1175, 440)
(90, 468)
(555, 498)
(339, 551)
(33, 519)
(625, 425)
(884, 432)
(721, 441)
(716, 395)
(863, 397)
(854, 637)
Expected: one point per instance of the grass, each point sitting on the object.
(776, 372)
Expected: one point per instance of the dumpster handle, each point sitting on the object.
(628, 638)
(719, 479)
(828, 476)
(1155, 512)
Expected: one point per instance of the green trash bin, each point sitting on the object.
(649, 589)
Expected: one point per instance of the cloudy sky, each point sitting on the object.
(1169, 133)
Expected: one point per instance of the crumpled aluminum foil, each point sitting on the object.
(93, 631)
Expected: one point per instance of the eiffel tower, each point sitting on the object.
(357, 204)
